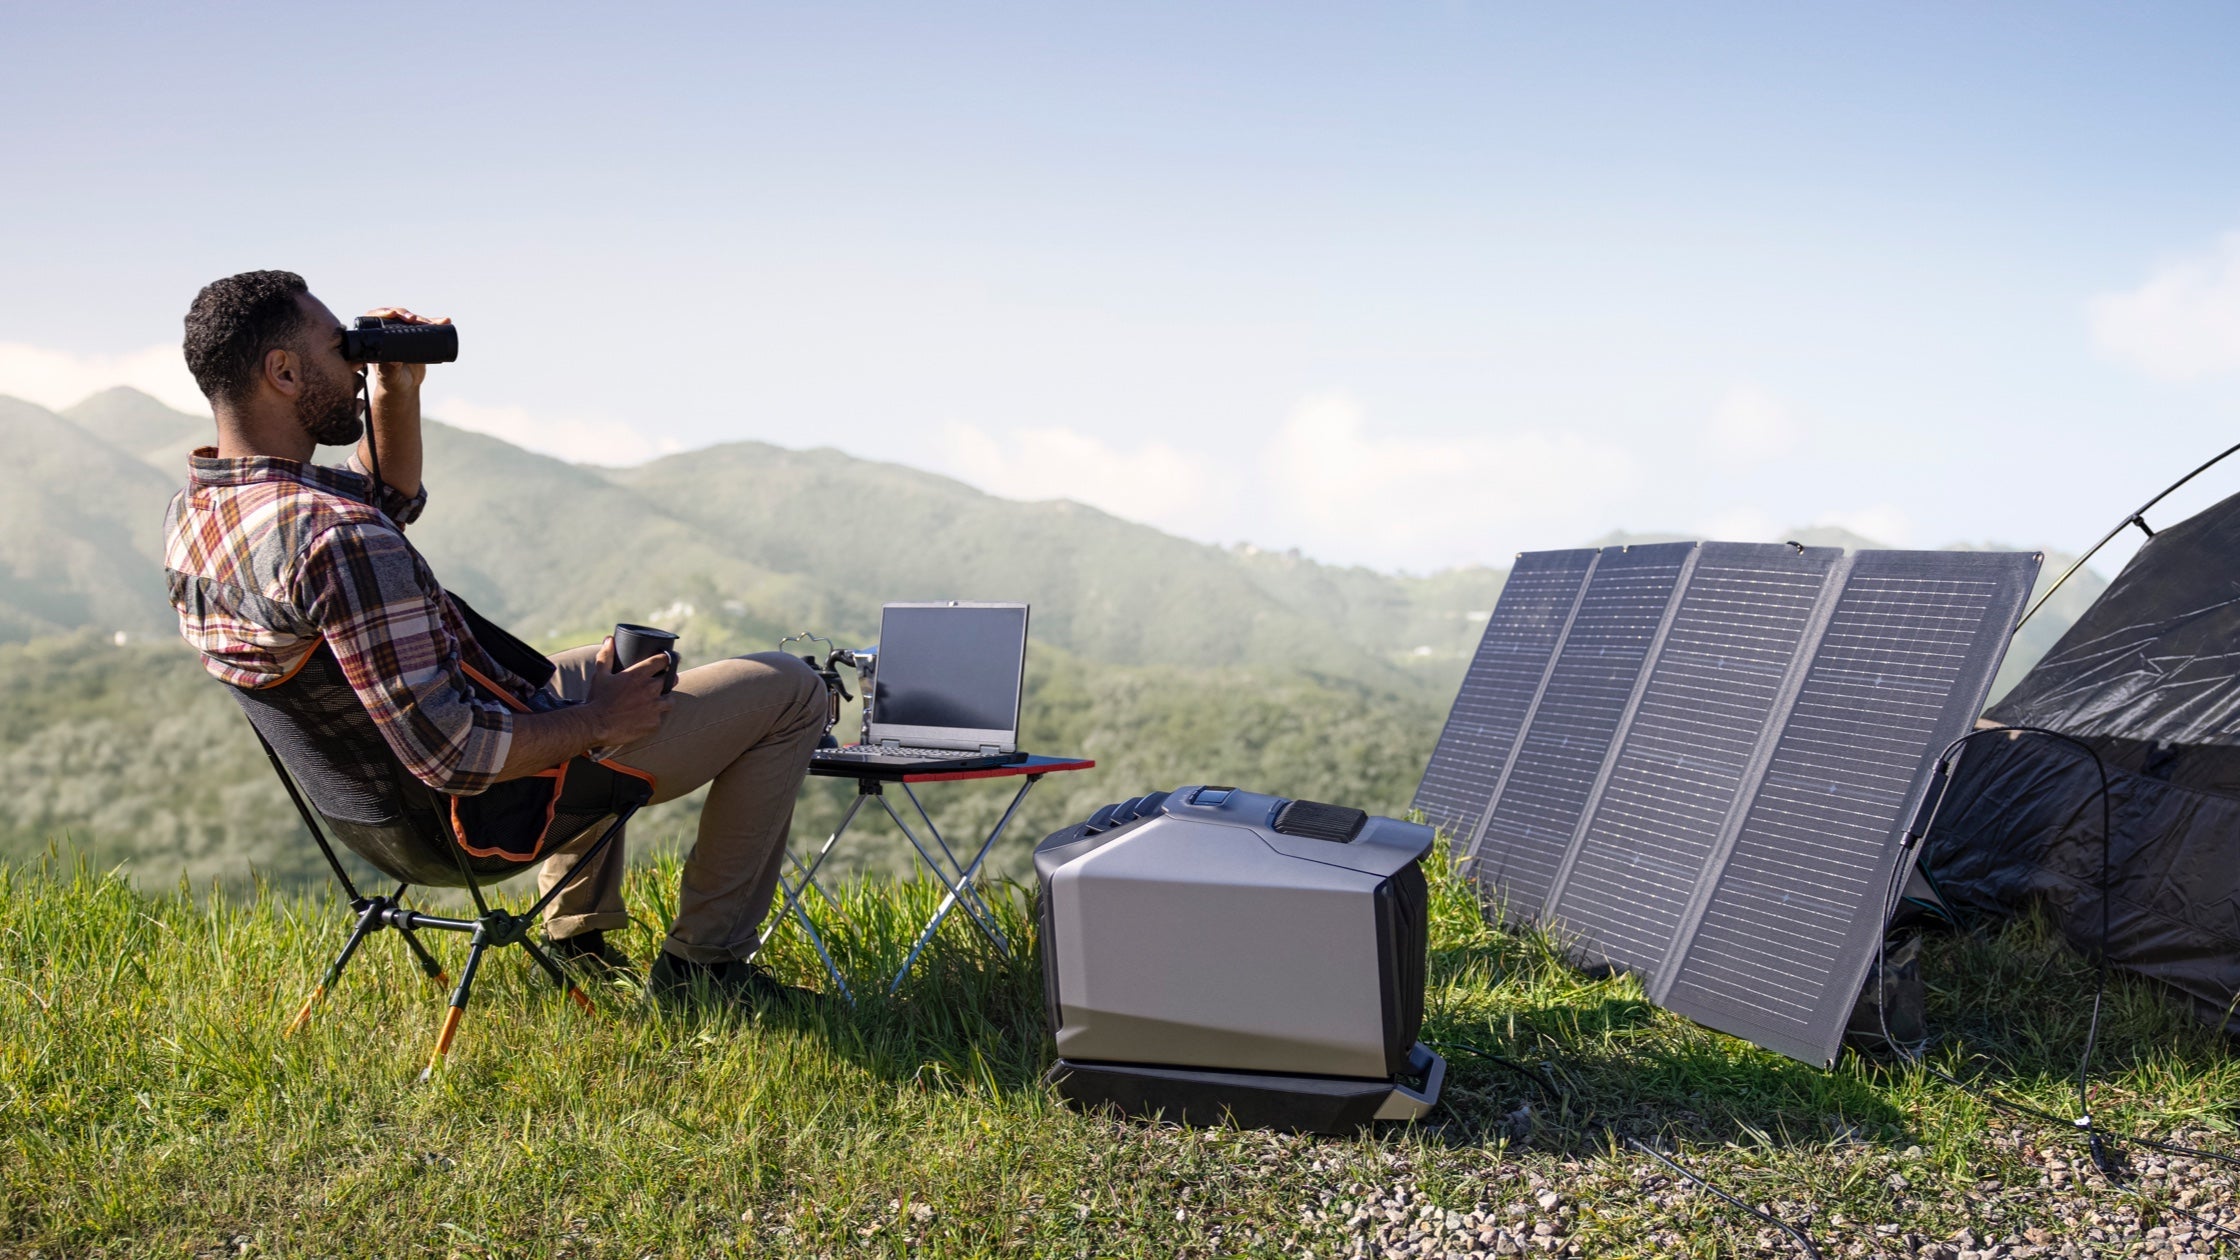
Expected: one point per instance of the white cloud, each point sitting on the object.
(57, 378)
(1740, 524)
(1882, 522)
(1750, 425)
(1154, 483)
(1353, 492)
(575, 439)
(2183, 322)
(1326, 481)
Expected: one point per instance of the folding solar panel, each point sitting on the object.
(1538, 801)
(1710, 782)
(1686, 755)
(1498, 691)
(1902, 669)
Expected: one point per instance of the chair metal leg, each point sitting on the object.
(428, 964)
(458, 1007)
(559, 977)
(369, 918)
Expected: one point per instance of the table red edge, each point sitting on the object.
(1033, 765)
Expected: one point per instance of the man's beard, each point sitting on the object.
(328, 411)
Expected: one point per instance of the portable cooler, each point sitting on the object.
(1212, 954)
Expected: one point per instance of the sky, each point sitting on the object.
(1409, 286)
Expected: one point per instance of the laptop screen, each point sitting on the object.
(951, 666)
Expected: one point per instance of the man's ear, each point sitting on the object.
(283, 371)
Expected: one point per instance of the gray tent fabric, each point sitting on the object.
(2150, 678)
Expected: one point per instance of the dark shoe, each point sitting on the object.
(735, 980)
(592, 956)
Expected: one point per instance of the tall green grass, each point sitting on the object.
(150, 1106)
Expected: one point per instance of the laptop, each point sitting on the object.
(945, 691)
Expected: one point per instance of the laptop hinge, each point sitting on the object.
(889, 745)
(990, 750)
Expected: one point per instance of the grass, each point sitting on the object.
(150, 1106)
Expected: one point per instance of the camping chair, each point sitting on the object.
(339, 770)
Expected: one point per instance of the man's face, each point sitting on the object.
(327, 405)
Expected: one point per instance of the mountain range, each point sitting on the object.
(1168, 660)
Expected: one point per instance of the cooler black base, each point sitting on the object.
(1333, 1105)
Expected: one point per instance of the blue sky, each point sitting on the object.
(1404, 286)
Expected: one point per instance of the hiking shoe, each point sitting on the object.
(735, 980)
(593, 956)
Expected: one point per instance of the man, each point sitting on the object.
(269, 556)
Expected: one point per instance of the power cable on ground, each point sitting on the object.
(2096, 1140)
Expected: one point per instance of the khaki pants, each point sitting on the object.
(745, 727)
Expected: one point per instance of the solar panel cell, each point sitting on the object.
(1710, 699)
(1790, 921)
(1538, 803)
(1504, 676)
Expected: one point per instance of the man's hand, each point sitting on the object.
(626, 707)
(621, 710)
(401, 378)
(395, 422)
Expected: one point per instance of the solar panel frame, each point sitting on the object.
(1790, 914)
(1674, 784)
(1779, 925)
(1558, 758)
(1495, 699)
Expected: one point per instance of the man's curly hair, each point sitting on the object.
(234, 322)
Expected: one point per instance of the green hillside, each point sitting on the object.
(1168, 661)
(134, 423)
(1104, 588)
(80, 530)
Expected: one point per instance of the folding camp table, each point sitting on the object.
(958, 878)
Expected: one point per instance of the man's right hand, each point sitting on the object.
(628, 706)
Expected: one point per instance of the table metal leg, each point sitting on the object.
(816, 939)
(974, 911)
(794, 896)
(809, 872)
(965, 888)
(805, 874)
(969, 874)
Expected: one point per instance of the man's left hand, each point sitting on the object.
(402, 378)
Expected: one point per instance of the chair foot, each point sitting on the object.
(581, 999)
(303, 1013)
(443, 1041)
(458, 1007)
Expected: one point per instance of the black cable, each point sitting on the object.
(1556, 1093)
(2096, 1140)
(1803, 1240)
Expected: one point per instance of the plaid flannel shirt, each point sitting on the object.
(268, 557)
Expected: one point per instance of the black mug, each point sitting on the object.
(636, 643)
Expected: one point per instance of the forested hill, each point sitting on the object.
(759, 537)
(1167, 660)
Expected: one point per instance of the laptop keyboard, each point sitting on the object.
(903, 752)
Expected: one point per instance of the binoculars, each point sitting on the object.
(376, 340)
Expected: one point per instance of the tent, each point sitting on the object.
(2150, 678)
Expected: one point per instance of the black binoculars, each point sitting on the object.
(376, 340)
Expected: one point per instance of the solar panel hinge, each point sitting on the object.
(1932, 797)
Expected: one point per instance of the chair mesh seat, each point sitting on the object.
(320, 731)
